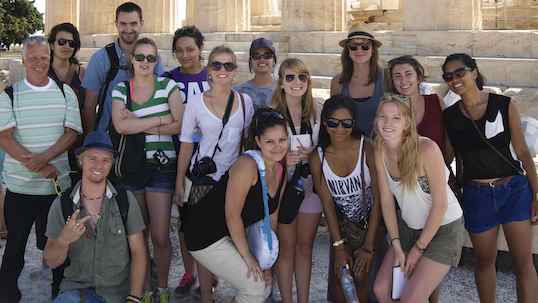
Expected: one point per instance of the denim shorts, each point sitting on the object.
(486, 206)
(157, 182)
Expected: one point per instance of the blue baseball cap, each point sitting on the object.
(96, 139)
(262, 43)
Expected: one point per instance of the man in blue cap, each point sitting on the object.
(98, 229)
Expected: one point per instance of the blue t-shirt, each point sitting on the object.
(189, 85)
(261, 95)
(95, 77)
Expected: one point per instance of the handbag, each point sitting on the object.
(294, 193)
(262, 240)
(202, 185)
(130, 153)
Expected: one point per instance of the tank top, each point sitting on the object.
(477, 156)
(432, 125)
(205, 222)
(415, 204)
(347, 192)
(365, 108)
(75, 83)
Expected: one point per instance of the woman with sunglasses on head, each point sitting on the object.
(500, 186)
(262, 62)
(151, 106)
(298, 219)
(426, 236)
(361, 78)
(191, 78)
(220, 140)
(235, 203)
(343, 171)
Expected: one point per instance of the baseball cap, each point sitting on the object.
(96, 139)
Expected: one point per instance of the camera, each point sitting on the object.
(305, 169)
(204, 167)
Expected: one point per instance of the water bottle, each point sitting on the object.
(348, 285)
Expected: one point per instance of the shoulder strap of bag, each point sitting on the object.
(225, 120)
(518, 169)
(67, 204)
(9, 91)
(265, 192)
(110, 75)
(244, 109)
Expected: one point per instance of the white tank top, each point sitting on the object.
(347, 192)
(415, 204)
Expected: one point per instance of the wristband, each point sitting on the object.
(536, 197)
(394, 239)
(339, 242)
(132, 298)
(371, 252)
(420, 248)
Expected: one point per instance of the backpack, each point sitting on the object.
(111, 74)
(9, 90)
(121, 200)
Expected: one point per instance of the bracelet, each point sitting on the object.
(339, 242)
(371, 252)
(394, 239)
(133, 298)
(536, 197)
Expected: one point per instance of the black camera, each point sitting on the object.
(305, 169)
(204, 167)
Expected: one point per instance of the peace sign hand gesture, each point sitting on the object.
(73, 228)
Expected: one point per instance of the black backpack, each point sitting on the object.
(121, 200)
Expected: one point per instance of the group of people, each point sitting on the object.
(96, 157)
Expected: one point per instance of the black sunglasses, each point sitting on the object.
(228, 66)
(333, 123)
(70, 43)
(265, 56)
(141, 57)
(302, 77)
(456, 74)
(355, 46)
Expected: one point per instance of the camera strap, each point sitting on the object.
(306, 128)
(225, 119)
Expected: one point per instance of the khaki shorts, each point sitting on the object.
(445, 247)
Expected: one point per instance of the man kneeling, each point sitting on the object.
(98, 231)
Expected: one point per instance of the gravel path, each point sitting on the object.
(458, 286)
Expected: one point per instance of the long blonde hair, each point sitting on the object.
(408, 162)
(279, 96)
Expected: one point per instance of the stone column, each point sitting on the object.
(220, 15)
(442, 15)
(59, 11)
(314, 15)
(98, 16)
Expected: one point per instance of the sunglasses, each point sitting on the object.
(302, 77)
(456, 74)
(228, 66)
(70, 43)
(333, 123)
(265, 56)
(141, 57)
(355, 46)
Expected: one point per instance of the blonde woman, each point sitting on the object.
(298, 219)
(427, 233)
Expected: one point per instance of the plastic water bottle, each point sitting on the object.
(348, 285)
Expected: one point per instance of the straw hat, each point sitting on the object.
(358, 34)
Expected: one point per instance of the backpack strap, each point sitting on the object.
(67, 204)
(256, 155)
(111, 74)
(9, 91)
(123, 205)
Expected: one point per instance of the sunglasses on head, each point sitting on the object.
(456, 74)
(70, 43)
(355, 46)
(141, 57)
(228, 66)
(265, 56)
(333, 123)
(301, 77)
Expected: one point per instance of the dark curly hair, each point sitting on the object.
(469, 62)
(68, 28)
(263, 119)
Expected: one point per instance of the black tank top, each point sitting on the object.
(479, 160)
(205, 222)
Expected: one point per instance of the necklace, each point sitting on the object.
(91, 198)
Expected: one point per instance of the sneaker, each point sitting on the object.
(185, 284)
(147, 297)
(162, 296)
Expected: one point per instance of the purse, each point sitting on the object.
(262, 240)
(202, 185)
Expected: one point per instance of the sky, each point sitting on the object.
(40, 4)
